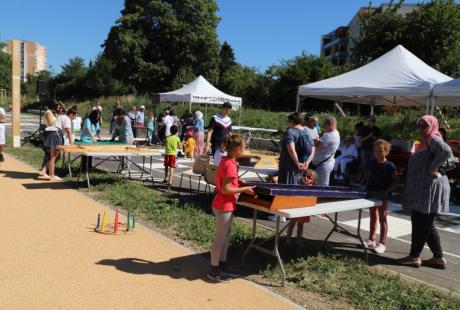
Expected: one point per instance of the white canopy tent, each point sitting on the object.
(200, 91)
(397, 77)
(447, 93)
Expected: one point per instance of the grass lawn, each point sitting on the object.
(339, 281)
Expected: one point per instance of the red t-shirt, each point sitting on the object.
(228, 168)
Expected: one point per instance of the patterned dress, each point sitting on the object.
(424, 193)
(288, 172)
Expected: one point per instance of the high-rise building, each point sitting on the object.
(34, 57)
(338, 44)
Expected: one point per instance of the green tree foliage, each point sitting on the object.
(431, 32)
(291, 73)
(5, 68)
(29, 88)
(100, 82)
(226, 59)
(156, 40)
(70, 82)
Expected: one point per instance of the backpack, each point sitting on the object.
(303, 146)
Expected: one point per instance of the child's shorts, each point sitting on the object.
(170, 161)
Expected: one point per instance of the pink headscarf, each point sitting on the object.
(433, 131)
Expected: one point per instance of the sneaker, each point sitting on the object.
(380, 248)
(219, 277)
(165, 182)
(44, 177)
(230, 271)
(370, 244)
(2, 158)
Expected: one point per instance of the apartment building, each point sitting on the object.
(337, 45)
(34, 57)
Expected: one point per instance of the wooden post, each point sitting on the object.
(16, 92)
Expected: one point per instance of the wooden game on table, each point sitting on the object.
(294, 201)
(259, 160)
(121, 153)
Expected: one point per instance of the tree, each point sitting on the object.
(226, 59)
(431, 32)
(291, 73)
(70, 82)
(380, 32)
(100, 82)
(5, 68)
(156, 40)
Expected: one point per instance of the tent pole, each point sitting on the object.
(297, 103)
(190, 107)
(433, 103)
(372, 110)
(205, 111)
(239, 116)
(427, 105)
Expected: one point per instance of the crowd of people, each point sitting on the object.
(309, 155)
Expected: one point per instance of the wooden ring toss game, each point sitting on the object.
(289, 196)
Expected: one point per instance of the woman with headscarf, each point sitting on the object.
(427, 193)
(198, 125)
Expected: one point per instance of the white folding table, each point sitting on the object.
(321, 208)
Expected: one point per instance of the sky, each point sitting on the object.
(261, 32)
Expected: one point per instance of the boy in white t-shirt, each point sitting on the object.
(2, 133)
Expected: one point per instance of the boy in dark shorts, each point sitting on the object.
(171, 146)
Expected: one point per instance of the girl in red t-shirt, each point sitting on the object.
(223, 206)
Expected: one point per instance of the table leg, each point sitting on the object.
(253, 240)
(87, 172)
(333, 228)
(358, 234)
(276, 252)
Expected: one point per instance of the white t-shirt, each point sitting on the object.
(313, 133)
(169, 121)
(140, 118)
(63, 122)
(331, 141)
(2, 111)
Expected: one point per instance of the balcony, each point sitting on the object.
(336, 41)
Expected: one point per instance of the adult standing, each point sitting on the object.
(326, 146)
(140, 116)
(168, 122)
(219, 128)
(369, 134)
(427, 192)
(311, 125)
(198, 125)
(132, 118)
(2, 132)
(123, 129)
(161, 127)
(297, 151)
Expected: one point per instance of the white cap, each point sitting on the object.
(142, 107)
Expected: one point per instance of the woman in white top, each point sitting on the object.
(54, 136)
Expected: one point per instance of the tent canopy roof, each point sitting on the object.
(397, 77)
(199, 91)
(447, 93)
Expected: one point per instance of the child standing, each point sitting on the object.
(2, 133)
(223, 205)
(189, 145)
(150, 124)
(171, 146)
(308, 179)
(381, 180)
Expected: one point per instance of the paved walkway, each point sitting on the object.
(50, 258)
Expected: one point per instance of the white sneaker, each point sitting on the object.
(369, 244)
(380, 248)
